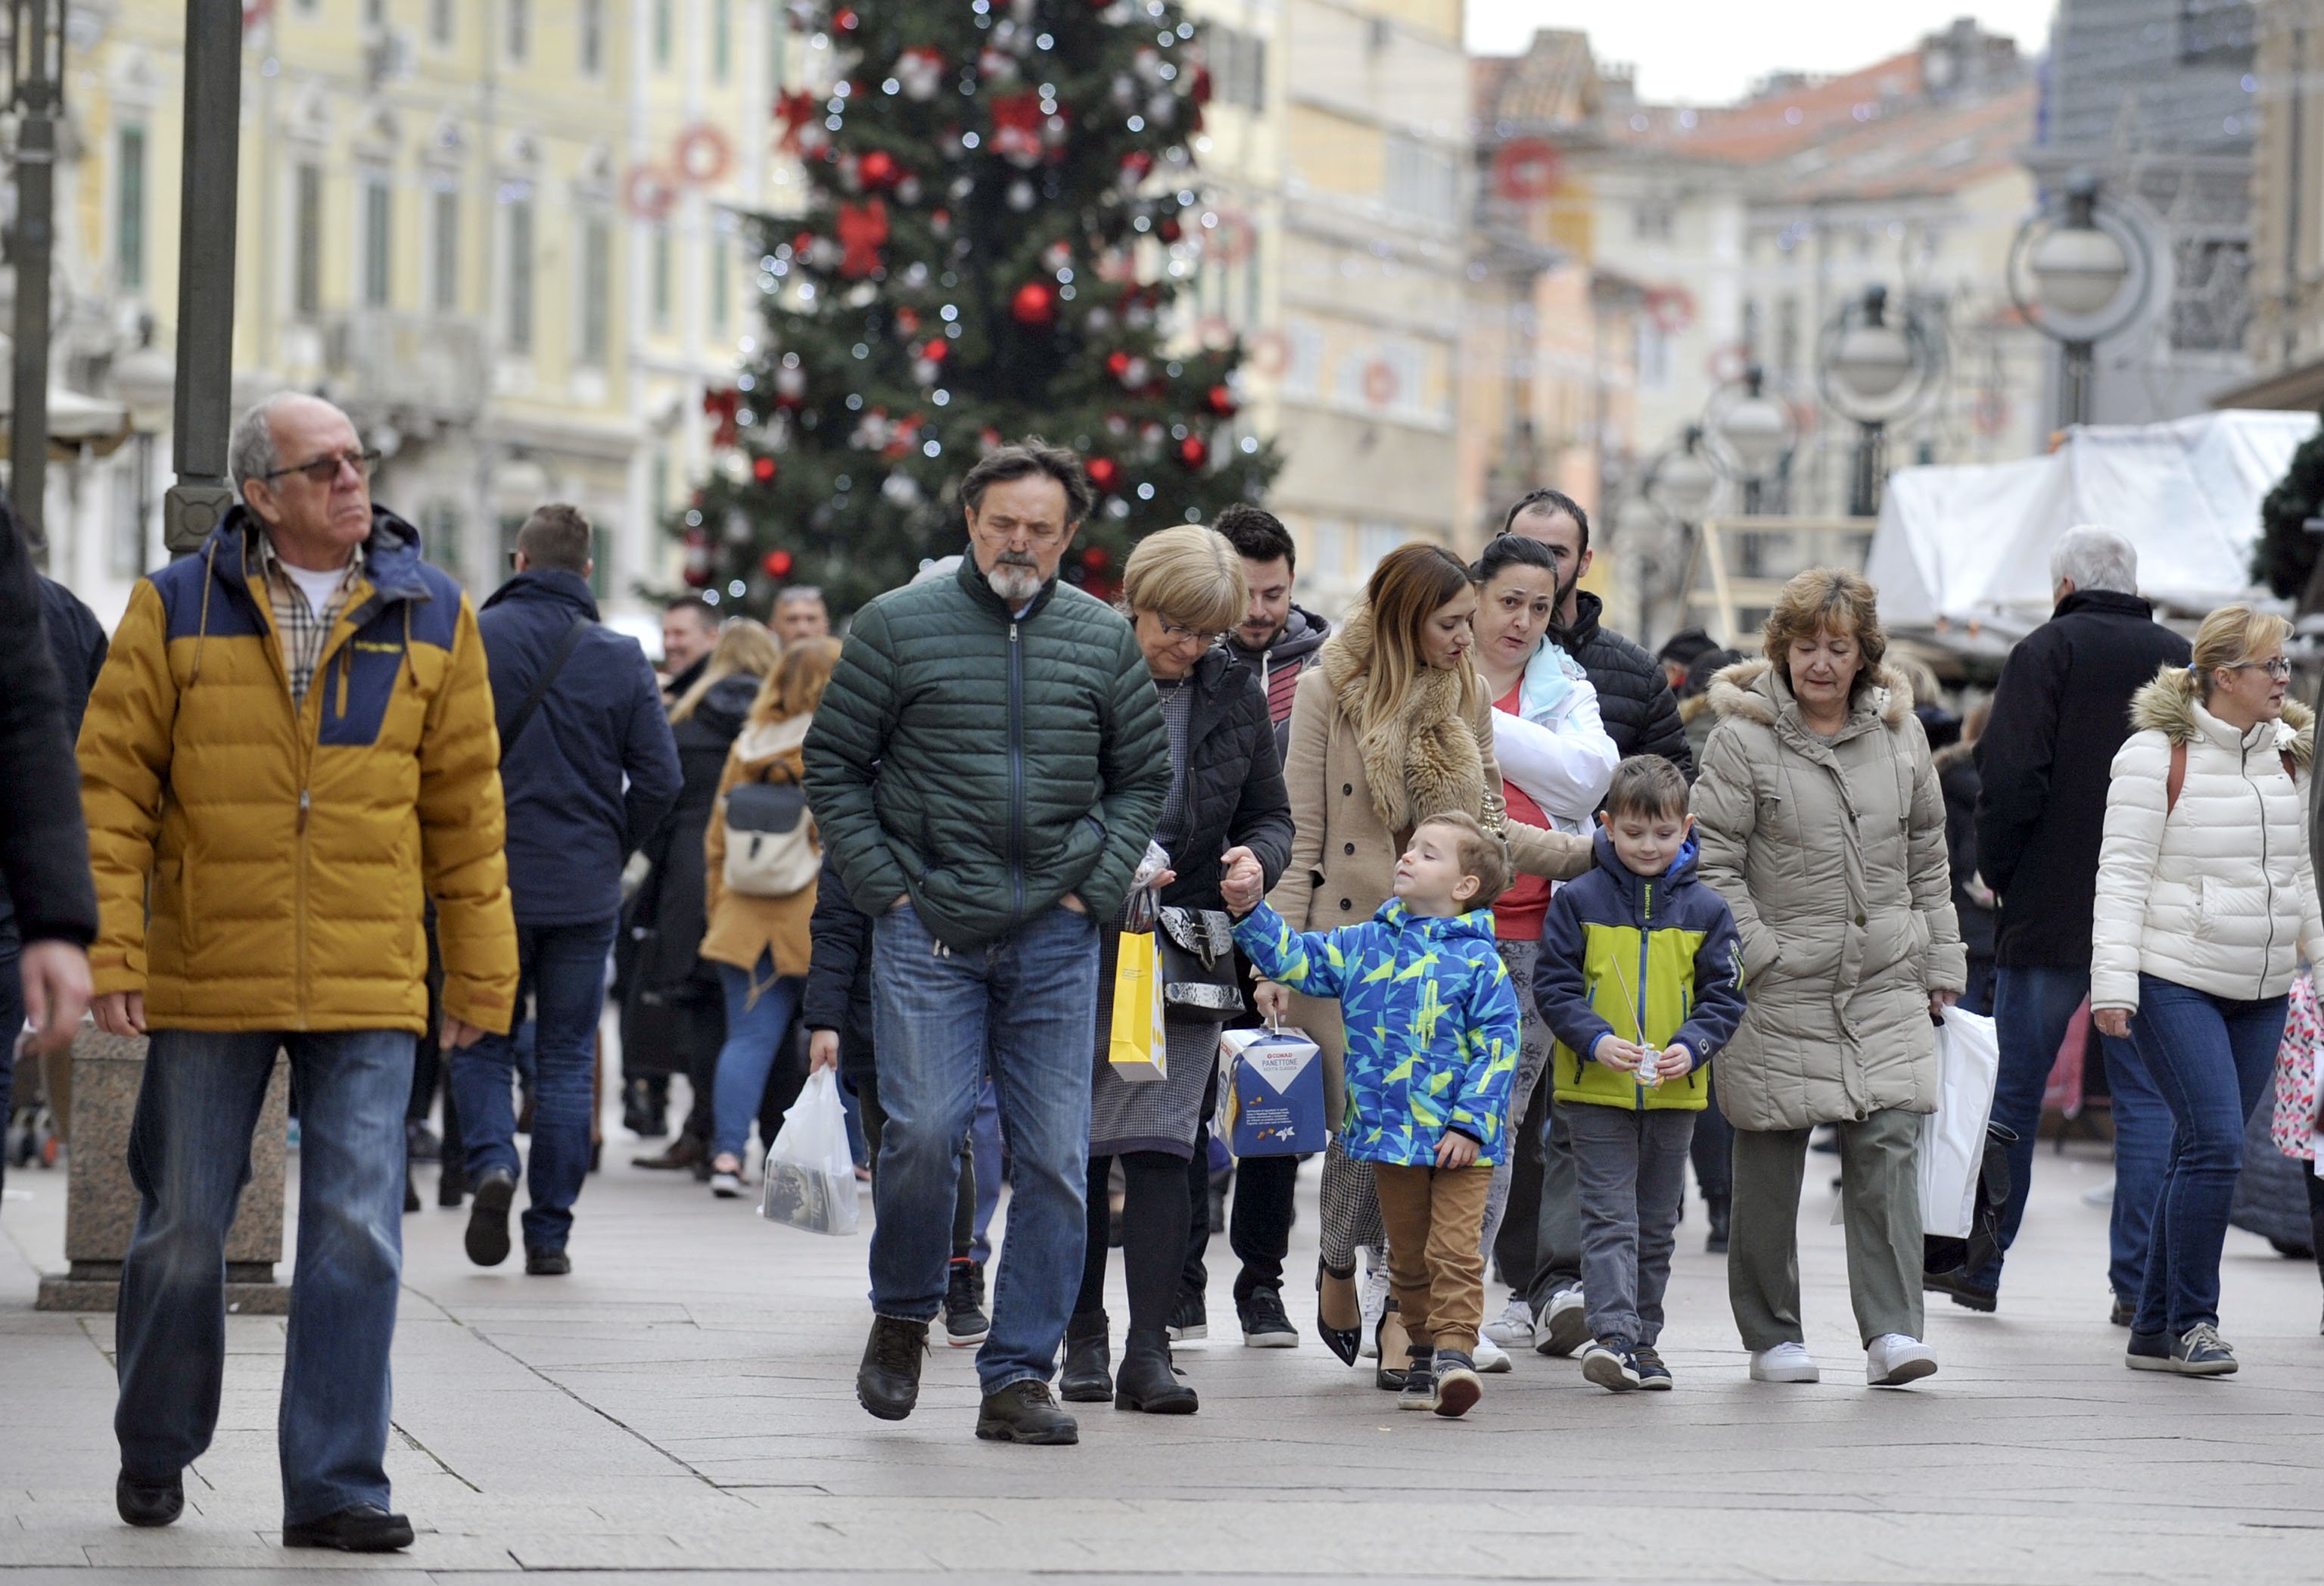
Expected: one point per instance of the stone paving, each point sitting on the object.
(680, 1410)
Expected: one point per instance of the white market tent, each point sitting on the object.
(1965, 552)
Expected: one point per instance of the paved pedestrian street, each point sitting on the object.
(681, 1409)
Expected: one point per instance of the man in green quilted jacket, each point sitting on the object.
(986, 768)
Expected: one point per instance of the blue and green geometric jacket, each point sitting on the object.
(1431, 1022)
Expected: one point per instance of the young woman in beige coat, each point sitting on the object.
(1389, 726)
(760, 944)
(1822, 825)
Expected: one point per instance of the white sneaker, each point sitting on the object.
(1371, 1293)
(1894, 1359)
(1490, 1356)
(1513, 1328)
(1562, 1328)
(1786, 1362)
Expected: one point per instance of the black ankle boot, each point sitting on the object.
(1088, 1376)
(1145, 1381)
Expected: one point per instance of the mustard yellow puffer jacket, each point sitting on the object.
(261, 870)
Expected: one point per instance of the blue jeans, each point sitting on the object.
(985, 1134)
(562, 968)
(2032, 1006)
(1029, 999)
(189, 1156)
(2211, 1058)
(754, 1028)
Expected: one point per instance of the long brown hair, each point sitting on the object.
(744, 645)
(1411, 584)
(795, 687)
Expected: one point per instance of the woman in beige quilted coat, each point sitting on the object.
(1822, 825)
(1389, 726)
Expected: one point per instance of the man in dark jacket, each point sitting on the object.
(587, 769)
(1277, 640)
(43, 844)
(2060, 712)
(987, 767)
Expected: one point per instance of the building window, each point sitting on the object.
(444, 258)
(1654, 356)
(1652, 221)
(2216, 33)
(593, 36)
(439, 23)
(1238, 63)
(1302, 372)
(520, 28)
(126, 541)
(596, 288)
(307, 269)
(722, 38)
(374, 13)
(662, 283)
(379, 255)
(665, 33)
(1374, 539)
(1422, 179)
(129, 211)
(520, 276)
(721, 272)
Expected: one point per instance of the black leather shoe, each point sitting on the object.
(1146, 1380)
(1347, 1342)
(684, 1151)
(547, 1263)
(887, 1382)
(488, 1234)
(1964, 1294)
(1088, 1376)
(148, 1503)
(363, 1528)
(1023, 1412)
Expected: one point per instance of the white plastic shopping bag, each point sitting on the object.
(810, 1172)
(1952, 1138)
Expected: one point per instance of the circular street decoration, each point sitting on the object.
(1270, 354)
(647, 192)
(1379, 383)
(1671, 307)
(703, 154)
(1527, 170)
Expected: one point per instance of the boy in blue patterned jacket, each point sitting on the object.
(1432, 1023)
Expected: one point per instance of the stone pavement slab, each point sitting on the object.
(681, 1409)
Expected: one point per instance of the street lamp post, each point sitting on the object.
(1874, 372)
(1754, 433)
(205, 376)
(36, 60)
(2091, 271)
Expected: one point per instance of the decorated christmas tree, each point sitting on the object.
(2285, 557)
(1002, 208)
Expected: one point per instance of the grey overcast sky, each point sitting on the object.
(1707, 51)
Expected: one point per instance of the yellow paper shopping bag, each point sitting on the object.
(1137, 1050)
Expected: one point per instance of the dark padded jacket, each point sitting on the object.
(987, 764)
(1234, 783)
(1634, 697)
(43, 844)
(76, 644)
(593, 772)
(2060, 712)
(838, 995)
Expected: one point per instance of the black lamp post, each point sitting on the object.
(1874, 372)
(2090, 271)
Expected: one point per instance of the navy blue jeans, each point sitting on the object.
(189, 1156)
(755, 1026)
(1029, 1000)
(562, 968)
(2211, 1058)
(2032, 1006)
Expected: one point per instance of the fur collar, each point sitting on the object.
(1953, 755)
(767, 741)
(1423, 761)
(2167, 706)
(1749, 689)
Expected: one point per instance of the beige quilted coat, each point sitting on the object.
(1832, 857)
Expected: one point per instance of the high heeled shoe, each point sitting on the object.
(1342, 1341)
(1394, 1344)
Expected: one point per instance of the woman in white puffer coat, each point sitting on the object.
(2206, 903)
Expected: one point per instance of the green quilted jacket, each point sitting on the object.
(987, 765)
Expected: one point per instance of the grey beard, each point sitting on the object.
(1014, 583)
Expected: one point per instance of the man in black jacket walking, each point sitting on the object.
(2060, 712)
(588, 769)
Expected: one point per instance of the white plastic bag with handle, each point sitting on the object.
(810, 1171)
(1952, 1138)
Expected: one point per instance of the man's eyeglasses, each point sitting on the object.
(323, 470)
(2278, 667)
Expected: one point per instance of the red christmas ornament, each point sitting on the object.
(778, 564)
(1171, 230)
(1034, 303)
(762, 469)
(1221, 401)
(1105, 473)
(1094, 558)
(878, 168)
(696, 577)
(1117, 363)
(1135, 166)
(863, 227)
(847, 21)
(796, 110)
(802, 242)
(1192, 451)
(936, 350)
(1016, 127)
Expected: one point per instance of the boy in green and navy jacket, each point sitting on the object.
(1640, 979)
(1432, 1023)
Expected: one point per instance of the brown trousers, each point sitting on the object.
(1434, 1268)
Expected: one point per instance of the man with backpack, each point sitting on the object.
(588, 768)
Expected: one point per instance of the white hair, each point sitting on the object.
(2095, 558)
(250, 451)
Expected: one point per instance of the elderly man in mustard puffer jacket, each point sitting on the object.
(290, 748)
